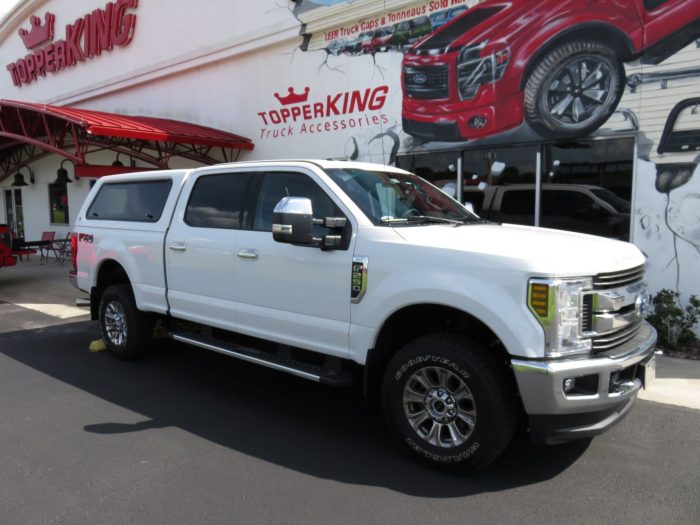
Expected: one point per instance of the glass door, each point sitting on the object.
(13, 211)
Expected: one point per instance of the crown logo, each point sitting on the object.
(293, 98)
(38, 34)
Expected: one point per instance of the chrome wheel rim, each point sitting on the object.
(579, 91)
(115, 323)
(439, 407)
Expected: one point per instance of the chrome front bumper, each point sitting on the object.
(611, 380)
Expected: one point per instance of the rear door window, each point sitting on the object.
(136, 201)
(219, 201)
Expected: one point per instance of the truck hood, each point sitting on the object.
(475, 25)
(536, 250)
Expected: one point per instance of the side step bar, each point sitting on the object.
(319, 374)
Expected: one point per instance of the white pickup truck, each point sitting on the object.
(339, 272)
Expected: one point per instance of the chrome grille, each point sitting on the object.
(608, 341)
(429, 82)
(604, 281)
(608, 312)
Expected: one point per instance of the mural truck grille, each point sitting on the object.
(427, 82)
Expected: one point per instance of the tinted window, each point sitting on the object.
(566, 202)
(130, 201)
(519, 202)
(277, 185)
(218, 201)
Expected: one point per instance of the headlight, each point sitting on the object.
(473, 69)
(556, 303)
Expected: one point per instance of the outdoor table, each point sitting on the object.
(27, 247)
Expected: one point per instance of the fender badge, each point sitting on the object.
(358, 282)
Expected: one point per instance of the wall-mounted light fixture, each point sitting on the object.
(19, 178)
(62, 174)
(117, 162)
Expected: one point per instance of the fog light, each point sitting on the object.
(478, 122)
(569, 384)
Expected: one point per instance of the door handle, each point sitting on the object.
(246, 253)
(178, 247)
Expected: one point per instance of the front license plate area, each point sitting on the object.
(647, 371)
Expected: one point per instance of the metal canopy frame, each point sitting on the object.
(29, 132)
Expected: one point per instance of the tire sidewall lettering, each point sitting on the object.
(437, 458)
(430, 360)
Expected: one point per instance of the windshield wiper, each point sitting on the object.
(421, 218)
(430, 218)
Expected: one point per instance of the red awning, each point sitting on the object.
(26, 128)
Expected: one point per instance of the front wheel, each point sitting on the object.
(574, 90)
(449, 400)
(125, 330)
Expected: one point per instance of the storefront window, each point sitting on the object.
(586, 185)
(58, 203)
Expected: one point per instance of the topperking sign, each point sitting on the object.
(86, 38)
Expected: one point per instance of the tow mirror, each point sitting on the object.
(293, 221)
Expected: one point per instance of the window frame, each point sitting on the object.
(256, 187)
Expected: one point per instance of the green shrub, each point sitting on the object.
(673, 323)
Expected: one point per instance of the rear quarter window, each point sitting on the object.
(135, 201)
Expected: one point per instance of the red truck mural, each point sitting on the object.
(555, 64)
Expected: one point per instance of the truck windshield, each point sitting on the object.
(395, 198)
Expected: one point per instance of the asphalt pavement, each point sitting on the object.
(184, 435)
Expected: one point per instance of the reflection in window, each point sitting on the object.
(58, 203)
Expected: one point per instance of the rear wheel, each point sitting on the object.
(125, 330)
(447, 399)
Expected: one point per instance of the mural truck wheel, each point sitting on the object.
(450, 401)
(574, 89)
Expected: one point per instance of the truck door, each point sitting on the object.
(200, 248)
(296, 295)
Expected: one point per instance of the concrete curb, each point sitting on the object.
(677, 383)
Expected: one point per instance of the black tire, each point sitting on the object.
(489, 402)
(546, 95)
(125, 330)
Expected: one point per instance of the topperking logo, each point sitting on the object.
(97, 32)
(301, 114)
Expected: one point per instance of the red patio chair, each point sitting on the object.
(48, 247)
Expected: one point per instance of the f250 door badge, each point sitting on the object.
(358, 284)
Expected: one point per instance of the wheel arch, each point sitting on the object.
(413, 321)
(109, 272)
(606, 34)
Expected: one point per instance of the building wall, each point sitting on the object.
(221, 64)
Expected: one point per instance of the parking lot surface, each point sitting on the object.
(184, 435)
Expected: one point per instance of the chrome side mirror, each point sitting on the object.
(293, 221)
